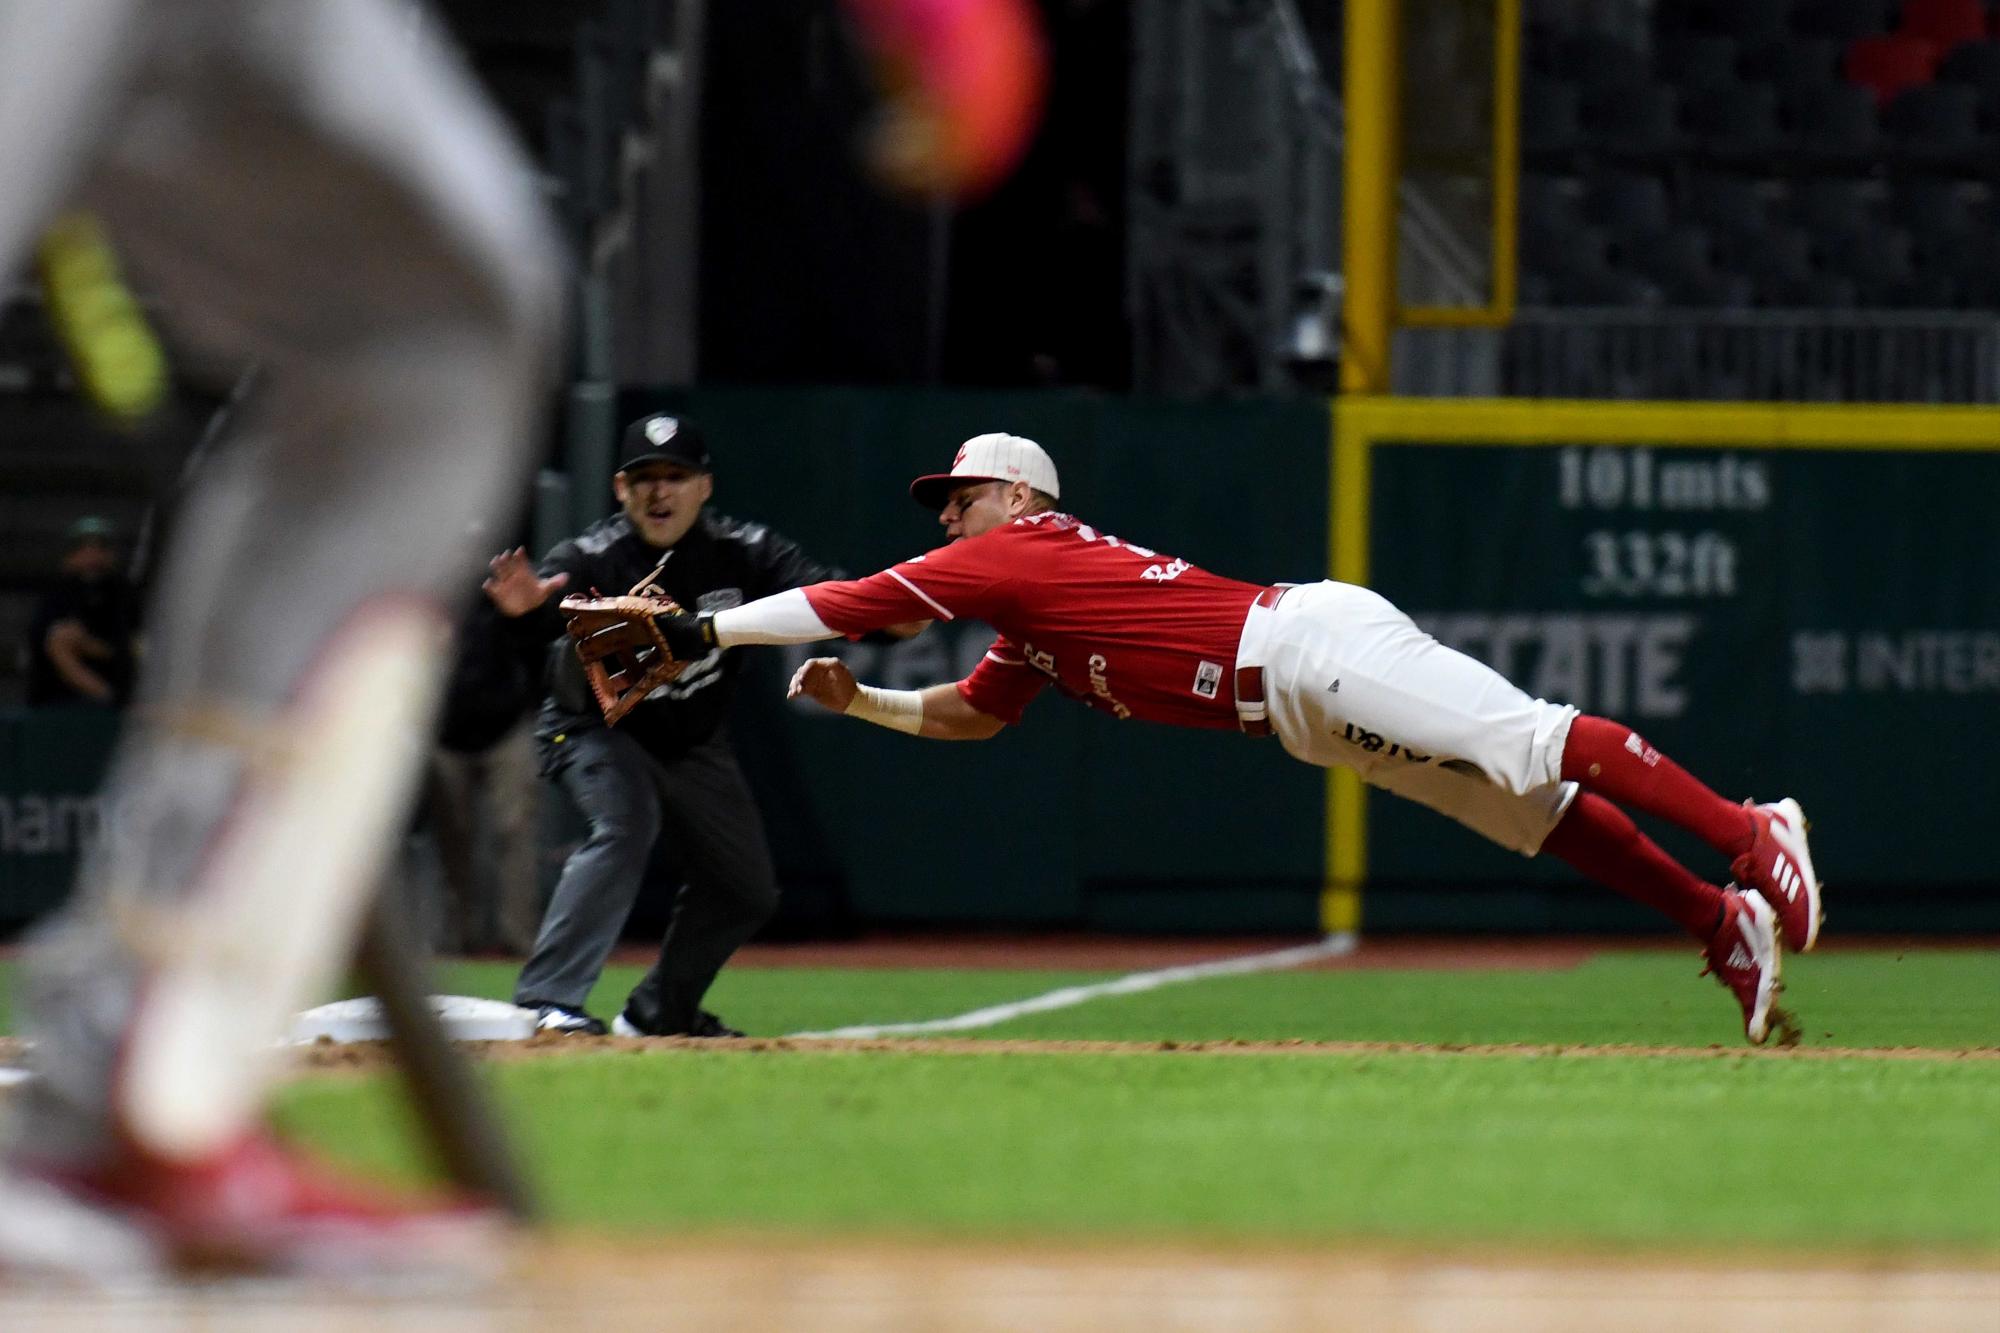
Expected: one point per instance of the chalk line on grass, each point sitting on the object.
(1333, 946)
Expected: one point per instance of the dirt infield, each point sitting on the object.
(833, 1286)
(327, 1057)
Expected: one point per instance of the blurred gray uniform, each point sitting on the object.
(312, 186)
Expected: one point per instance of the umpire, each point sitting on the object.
(668, 765)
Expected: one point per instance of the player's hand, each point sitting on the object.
(513, 586)
(71, 636)
(826, 681)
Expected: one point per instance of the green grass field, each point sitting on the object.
(1842, 1154)
(1849, 1155)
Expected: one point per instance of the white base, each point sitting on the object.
(465, 1018)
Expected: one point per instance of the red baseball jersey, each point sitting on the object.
(1128, 631)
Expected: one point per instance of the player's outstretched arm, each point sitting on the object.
(940, 712)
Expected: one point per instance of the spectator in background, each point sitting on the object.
(83, 640)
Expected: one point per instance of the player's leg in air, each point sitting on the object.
(1446, 730)
(310, 189)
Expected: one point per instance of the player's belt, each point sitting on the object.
(1250, 711)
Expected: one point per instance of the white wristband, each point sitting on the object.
(898, 710)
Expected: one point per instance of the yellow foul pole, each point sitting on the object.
(1372, 87)
(1372, 92)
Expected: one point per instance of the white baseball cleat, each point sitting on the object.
(1779, 868)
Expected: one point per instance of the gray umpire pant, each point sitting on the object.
(630, 799)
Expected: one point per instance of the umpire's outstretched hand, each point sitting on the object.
(513, 586)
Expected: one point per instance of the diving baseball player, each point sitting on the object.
(312, 187)
(1334, 671)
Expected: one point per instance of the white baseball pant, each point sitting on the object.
(1350, 680)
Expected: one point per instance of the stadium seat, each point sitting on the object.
(1945, 22)
(1628, 202)
(1746, 21)
(1928, 288)
(1938, 121)
(1889, 64)
(1974, 64)
(1695, 61)
(1738, 122)
(1716, 290)
(1812, 291)
(1970, 285)
(1844, 20)
(1540, 44)
(1679, 263)
(1942, 215)
(1834, 204)
(1877, 261)
(1794, 61)
(1533, 291)
(1725, 205)
(1638, 120)
(1833, 121)
(1549, 251)
(1602, 285)
(1778, 254)
(1951, 238)
(1646, 250)
(1552, 252)
(1595, 60)
(1551, 125)
(1549, 203)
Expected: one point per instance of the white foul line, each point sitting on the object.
(1333, 946)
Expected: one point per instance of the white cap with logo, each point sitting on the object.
(994, 457)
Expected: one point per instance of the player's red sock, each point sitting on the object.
(1615, 761)
(1599, 839)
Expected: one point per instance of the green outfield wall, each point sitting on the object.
(1789, 600)
(52, 761)
(1799, 601)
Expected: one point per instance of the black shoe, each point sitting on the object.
(567, 1021)
(708, 1025)
(705, 1025)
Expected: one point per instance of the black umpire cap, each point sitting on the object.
(661, 438)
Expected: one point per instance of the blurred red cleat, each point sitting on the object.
(254, 1208)
(962, 84)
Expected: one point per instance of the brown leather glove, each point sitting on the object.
(632, 645)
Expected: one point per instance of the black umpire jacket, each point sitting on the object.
(722, 562)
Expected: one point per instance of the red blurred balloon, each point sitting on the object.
(962, 84)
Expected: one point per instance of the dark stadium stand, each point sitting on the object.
(59, 461)
(1765, 153)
